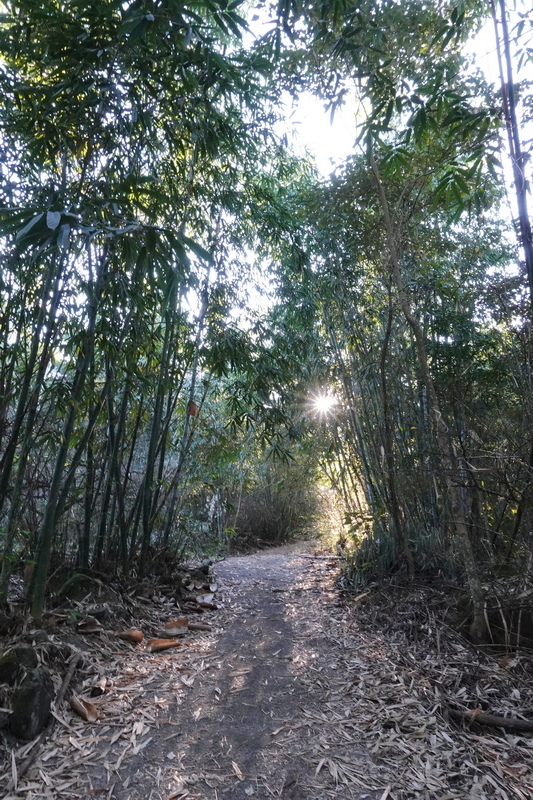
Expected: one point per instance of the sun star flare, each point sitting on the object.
(323, 403)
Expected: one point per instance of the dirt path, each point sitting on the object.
(246, 727)
(233, 713)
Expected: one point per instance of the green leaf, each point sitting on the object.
(200, 251)
(10, 220)
(29, 227)
(53, 218)
(63, 236)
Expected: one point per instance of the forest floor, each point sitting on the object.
(296, 693)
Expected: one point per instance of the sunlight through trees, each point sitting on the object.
(145, 411)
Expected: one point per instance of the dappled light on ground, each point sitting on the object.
(295, 694)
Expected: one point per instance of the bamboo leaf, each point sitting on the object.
(53, 218)
(198, 250)
(29, 227)
(63, 236)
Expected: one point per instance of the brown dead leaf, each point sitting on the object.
(193, 608)
(176, 627)
(90, 625)
(84, 709)
(133, 635)
(55, 618)
(156, 645)
(200, 626)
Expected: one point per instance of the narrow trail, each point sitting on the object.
(270, 676)
(247, 726)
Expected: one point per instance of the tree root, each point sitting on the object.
(492, 720)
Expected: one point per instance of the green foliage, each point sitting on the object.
(138, 173)
(377, 444)
(146, 196)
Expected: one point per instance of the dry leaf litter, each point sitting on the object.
(126, 688)
(360, 705)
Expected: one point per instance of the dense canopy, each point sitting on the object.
(178, 287)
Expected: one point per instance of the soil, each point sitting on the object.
(242, 729)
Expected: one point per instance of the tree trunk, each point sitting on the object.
(47, 530)
(518, 158)
(396, 512)
(155, 433)
(446, 455)
(185, 441)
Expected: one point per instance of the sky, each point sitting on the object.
(309, 126)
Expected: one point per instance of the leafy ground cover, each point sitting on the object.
(295, 692)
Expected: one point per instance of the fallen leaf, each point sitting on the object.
(14, 773)
(180, 792)
(194, 585)
(205, 598)
(237, 770)
(90, 625)
(200, 626)
(193, 607)
(155, 645)
(177, 627)
(133, 635)
(136, 750)
(55, 618)
(83, 708)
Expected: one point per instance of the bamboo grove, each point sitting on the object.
(146, 189)
(129, 168)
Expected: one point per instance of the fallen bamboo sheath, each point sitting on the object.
(200, 626)
(492, 720)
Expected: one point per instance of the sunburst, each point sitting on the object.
(323, 403)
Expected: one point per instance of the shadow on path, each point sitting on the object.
(242, 731)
